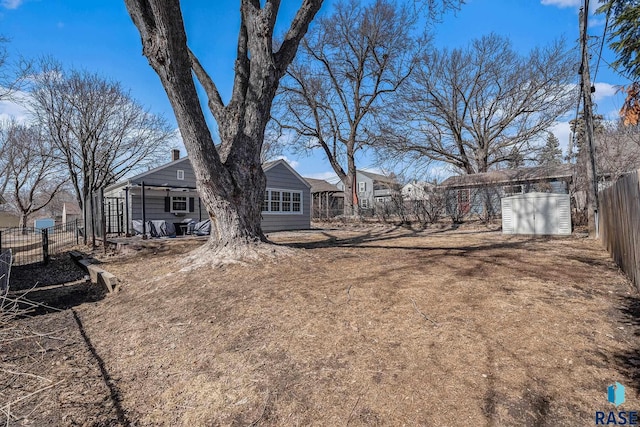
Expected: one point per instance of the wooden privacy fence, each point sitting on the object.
(620, 223)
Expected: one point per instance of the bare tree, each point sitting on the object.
(10, 76)
(4, 157)
(617, 149)
(229, 179)
(349, 66)
(34, 175)
(478, 107)
(101, 133)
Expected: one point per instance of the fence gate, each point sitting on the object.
(114, 218)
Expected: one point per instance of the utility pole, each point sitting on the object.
(592, 177)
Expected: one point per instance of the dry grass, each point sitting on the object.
(372, 326)
(377, 326)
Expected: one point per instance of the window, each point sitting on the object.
(364, 203)
(180, 175)
(179, 204)
(463, 196)
(362, 187)
(512, 189)
(297, 202)
(380, 200)
(275, 201)
(282, 201)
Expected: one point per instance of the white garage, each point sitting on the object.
(536, 213)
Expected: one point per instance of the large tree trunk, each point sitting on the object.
(230, 180)
(352, 198)
(229, 191)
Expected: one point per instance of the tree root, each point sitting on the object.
(215, 255)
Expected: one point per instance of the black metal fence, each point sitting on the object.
(5, 270)
(31, 245)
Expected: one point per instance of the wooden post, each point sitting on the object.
(592, 176)
(327, 206)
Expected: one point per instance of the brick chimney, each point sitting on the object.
(175, 154)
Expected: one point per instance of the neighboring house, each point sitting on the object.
(71, 213)
(8, 220)
(169, 193)
(416, 190)
(371, 188)
(481, 193)
(327, 200)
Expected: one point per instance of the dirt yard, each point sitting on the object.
(371, 326)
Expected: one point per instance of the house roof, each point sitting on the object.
(72, 208)
(418, 184)
(322, 186)
(268, 165)
(136, 179)
(561, 172)
(378, 177)
(156, 169)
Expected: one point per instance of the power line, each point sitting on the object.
(604, 36)
(618, 72)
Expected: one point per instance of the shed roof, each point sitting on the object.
(322, 186)
(561, 172)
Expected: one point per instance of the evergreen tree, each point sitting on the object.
(624, 39)
(580, 134)
(516, 159)
(550, 153)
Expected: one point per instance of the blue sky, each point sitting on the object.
(98, 36)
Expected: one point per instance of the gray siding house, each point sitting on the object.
(372, 188)
(168, 193)
(481, 193)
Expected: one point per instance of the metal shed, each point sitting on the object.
(536, 213)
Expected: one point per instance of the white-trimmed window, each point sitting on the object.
(364, 203)
(179, 204)
(362, 187)
(180, 175)
(282, 201)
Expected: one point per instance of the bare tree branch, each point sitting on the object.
(472, 107)
(99, 131)
(350, 65)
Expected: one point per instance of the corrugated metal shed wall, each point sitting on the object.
(536, 213)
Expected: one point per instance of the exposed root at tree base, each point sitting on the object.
(212, 255)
